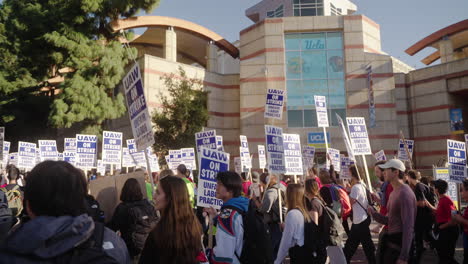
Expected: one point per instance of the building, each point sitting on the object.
(308, 47)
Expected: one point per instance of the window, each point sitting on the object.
(314, 66)
(308, 7)
(277, 13)
(335, 11)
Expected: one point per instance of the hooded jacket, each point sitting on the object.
(46, 237)
(230, 232)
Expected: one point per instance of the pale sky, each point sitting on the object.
(402, 22)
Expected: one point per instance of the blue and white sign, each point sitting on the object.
(60, 156)
(344, 134)
(188, 158)
(206, 139)
(292, 154)
(70, 144)
(70, 157)
(308, 154)
(275, 149)
(317, 139)
(211, 162)
(321, 109)
(456, 153)
(13, 158)
(246, 161)
(153, 160)
(140, 118)
(101, 167)
(402, 153)
(48, 150)
(274, 104)
(380, 156)
(6, 152)
(175, 156)
(443, 174)
(334, 159)
(346, 162)
(219, 143)
(358, 136)
(127, 160)
(38, 156)
(86, 150)
(26, 155)
(137, 156)
(112, 147)
(261, 156)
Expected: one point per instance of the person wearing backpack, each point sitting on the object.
(60, 231)
(293, 239)
(177, 237)
(134, 217)
(13, 191)
(360, 232)
(230, 225)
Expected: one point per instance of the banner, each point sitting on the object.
(188, 158)
(346, 162)
(26, 155)
(112, 147)
(48, 150)
(317, 139)
(246, 161)
(140, 118)
(308, 154)
(275, 149)
(293, 154)
(321, 109)
(211, 162)
(70, 157)
(358, 136)
(274, 104)
(261, 156)
(370, 94)
(70, 144)
(127, 160)
(334, 159)
(2, 139)
(344, 134)
(6, 153)
(219, 143)
(380, 156)
(137, 156)
(456, 153)
(456, 121)
(86, 150)
(443, 174)
(206, 139)
(402, 154)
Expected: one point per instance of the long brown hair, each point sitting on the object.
(312, 188)
(178, 233)
(295, 199)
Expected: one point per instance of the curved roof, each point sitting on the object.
(180, 24)
(436, 36)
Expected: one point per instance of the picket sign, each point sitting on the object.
(360, 141)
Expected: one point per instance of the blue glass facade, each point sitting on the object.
(314, 66)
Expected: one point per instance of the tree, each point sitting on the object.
(60, 58)
(184, 112)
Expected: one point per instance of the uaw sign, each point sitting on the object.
(275, 149)
(48, 150)
(70, 144)
(358, 136)
(261, 156)
(274, 104)
(112, 147)
(292, 154)
(137, 109)
(206, 139)
(456, 153)
(26, 155)
(211, 162)
(402, 153)
(321, 109)
(86, 150)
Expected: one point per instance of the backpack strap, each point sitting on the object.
(98, 235)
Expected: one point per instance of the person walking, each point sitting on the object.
(463, 221)
(401, 205)
(447, 229)
(360, 232)
(176, 239)
(134, 217)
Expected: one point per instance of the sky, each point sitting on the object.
(402, 22)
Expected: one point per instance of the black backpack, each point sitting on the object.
(257, 246)
(330, 227)
(429, 194)
(143, 220)
(93, 209)
(6, 217)
(89, 252)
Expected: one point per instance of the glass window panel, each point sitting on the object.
(308, 12)
(335, 64)
(314, 65)
(308, 1)
(336, 94)
(310, 118)
(295, 95)
(334, 40)
(332, 116)
(293, 65)
(271, 14)
(320, 11)
(297, 12)
(312, 88)
(314, 41)
(295, 118)
(293, 41)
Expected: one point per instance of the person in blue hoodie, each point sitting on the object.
(229, 231)
(59, 230)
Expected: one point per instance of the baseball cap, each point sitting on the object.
(395, 164)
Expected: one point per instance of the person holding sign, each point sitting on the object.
(177, 236)
(463, 220)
